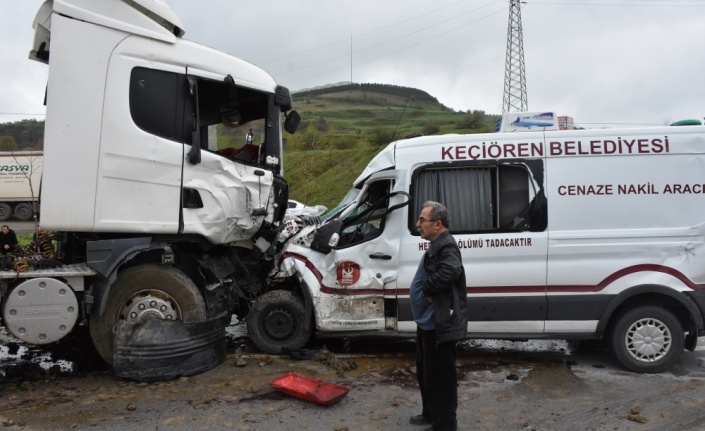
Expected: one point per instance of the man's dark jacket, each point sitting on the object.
(445, 284)
(8, 238)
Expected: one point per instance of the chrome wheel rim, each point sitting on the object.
(648, 340)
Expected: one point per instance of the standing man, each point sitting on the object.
(438, 303)
(249, 138)
(8, 240)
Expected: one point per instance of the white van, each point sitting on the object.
(574, 234)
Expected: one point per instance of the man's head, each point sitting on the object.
(432, 221)
(5, 228)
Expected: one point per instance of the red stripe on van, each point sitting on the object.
(508, 289)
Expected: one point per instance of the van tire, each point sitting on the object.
(647, 339)
(278, 322)
(165, 285)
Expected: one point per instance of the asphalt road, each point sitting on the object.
(522, 386)
(20, 226)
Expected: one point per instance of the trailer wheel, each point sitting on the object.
(23, 211)
(647, 339)
(144, 292)
(277, 321)
(5, 211)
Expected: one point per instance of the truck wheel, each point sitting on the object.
(23, 211)
(145, 291)
(278, 320)
(5, 211)
(647, 339)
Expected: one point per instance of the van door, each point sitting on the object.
(362, 269)
(497, 212)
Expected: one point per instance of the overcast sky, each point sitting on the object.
(615, 62)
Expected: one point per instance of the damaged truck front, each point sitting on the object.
(164, 221)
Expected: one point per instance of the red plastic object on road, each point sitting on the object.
(309, 389)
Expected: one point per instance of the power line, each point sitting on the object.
(423, 15)
(415, 44)
(631, 4)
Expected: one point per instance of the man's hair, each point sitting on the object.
(438, 212)
(5, 226)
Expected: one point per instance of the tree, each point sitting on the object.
(321, 124)
(30, 164)
(380, 136)
(8, 143)
(430, 128)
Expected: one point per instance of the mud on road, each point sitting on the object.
(548, 385)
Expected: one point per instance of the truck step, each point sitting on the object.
(73, 270)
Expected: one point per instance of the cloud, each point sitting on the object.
(600, 62)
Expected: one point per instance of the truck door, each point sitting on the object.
(362, 269)
(142, 147)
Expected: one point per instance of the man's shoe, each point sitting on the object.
(420, 420)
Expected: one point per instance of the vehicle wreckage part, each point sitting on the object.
(145, 292)
(40, 310)
(647, 339)
(309, 389)
(154, 349)
(278, 320)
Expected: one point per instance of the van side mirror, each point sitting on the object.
(327, 236)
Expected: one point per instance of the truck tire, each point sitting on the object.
(142, 291)
(23, 211)
(647, 339)
(5, 211)
(277, 321)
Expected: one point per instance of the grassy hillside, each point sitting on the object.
(344, 127)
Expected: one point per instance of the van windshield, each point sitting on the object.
(347, 200)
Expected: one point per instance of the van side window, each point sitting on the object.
(501, 198)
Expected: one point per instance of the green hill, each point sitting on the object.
(344, 126)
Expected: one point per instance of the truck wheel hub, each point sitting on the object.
(150, 304)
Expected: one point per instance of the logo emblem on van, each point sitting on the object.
(348, 273)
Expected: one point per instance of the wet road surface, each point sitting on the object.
(547, 385)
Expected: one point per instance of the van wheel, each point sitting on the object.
(277, 321)
(5, 211)
(141, 292)
(647, 339)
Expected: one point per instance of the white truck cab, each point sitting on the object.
(570, 234)
(162, 182)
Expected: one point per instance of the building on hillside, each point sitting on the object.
(565, 123)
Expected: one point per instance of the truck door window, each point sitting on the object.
(232, 121)
(158, 100)
(366, 220)
(501, 198)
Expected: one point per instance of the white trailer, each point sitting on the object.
(20, 178)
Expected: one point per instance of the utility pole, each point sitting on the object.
(514, 75)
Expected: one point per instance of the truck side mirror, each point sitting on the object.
(282, 98)
(292, 122)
